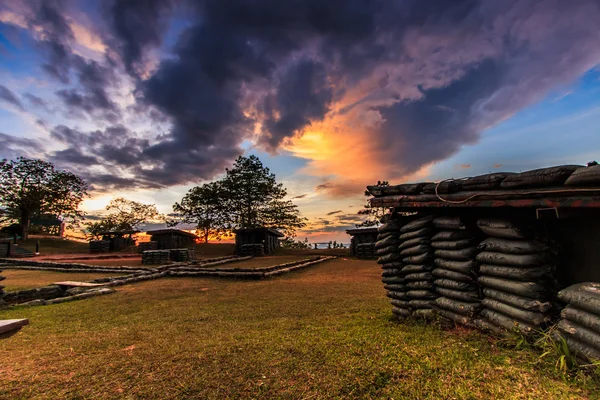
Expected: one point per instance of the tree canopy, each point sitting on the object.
(374, 214)
(204, 206)
(32, 188)
(125, 215)
(247, 197)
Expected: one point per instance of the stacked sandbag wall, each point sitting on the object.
(252, 250)
(580, 323)
(366, 251)
(153, 257)
(352, 247)
(388, 239)
(517, 274)
(416, 255)
(455, 272)
(99, 246)
(1, 291)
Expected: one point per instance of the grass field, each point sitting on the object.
(17, 279)
(320, 333)
(55, 246)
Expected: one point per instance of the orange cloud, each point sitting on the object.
(462, 166)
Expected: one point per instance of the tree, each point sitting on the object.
(255, 199)
(205, 207)
(30, 187)
(374, 214)
(126, 215)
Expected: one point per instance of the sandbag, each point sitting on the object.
(452, 275)
(584, 176)
(419, 259)
(417, 224)
(530, 317)
(487, 326)
(502, 228)
(471, 295)
(453, 244)
(427, 314)
(415, 250)
(485, 182)
(385, 235)
(459, 319)
(424, 232)
(451, 235)
(395, 287)
(509, 246)
(464, 267)
(518, 301)
(421, 303)
(553, 176)
(452, 223)
(444, 187)
(454, 285)
(517, 260)
(393, 265)
(421, 294)
(392, 272)
(375, 190)
(419, 285)
(457, 255)
(585, 296)
(579, 349)
(388, 258)
(388, 241)
(505, 322)
(459, 307)
(406, 188)
(386, 250)
(419, 276)
(580, 333)
(411, 269)
(516, 273)
(583, 318)
(401, 312)
(413, 242)
(400, 303)
(531, 290)
(392, 279)
(390, 226)
(397, 295)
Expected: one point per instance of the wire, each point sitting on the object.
(504, 194)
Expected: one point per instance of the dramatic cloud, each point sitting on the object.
(365, 90)
(334, 212)
(13, 147)
(9, 97)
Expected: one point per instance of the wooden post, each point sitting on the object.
(37, 247)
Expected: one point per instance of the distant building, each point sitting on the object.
(268, 237)
(362, 243)
(172, 239)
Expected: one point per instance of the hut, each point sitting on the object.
(118, 240)
(256, 241)
(362, 243)
(172, 239)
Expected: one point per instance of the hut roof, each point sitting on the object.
(272, 231)
(170, 231)
(358, 231)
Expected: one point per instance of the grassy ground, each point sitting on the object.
(17, 279)
(323, 332)
(266, 261)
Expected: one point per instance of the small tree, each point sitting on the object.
(255, 199)
(374, 214)
(205, 206)
(30, 187)
(126, 215)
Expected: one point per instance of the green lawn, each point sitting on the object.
(55, 246)
(319, 333)
(18, 279)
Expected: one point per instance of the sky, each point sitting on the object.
(146, 99)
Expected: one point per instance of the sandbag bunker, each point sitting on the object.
(498, 252)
